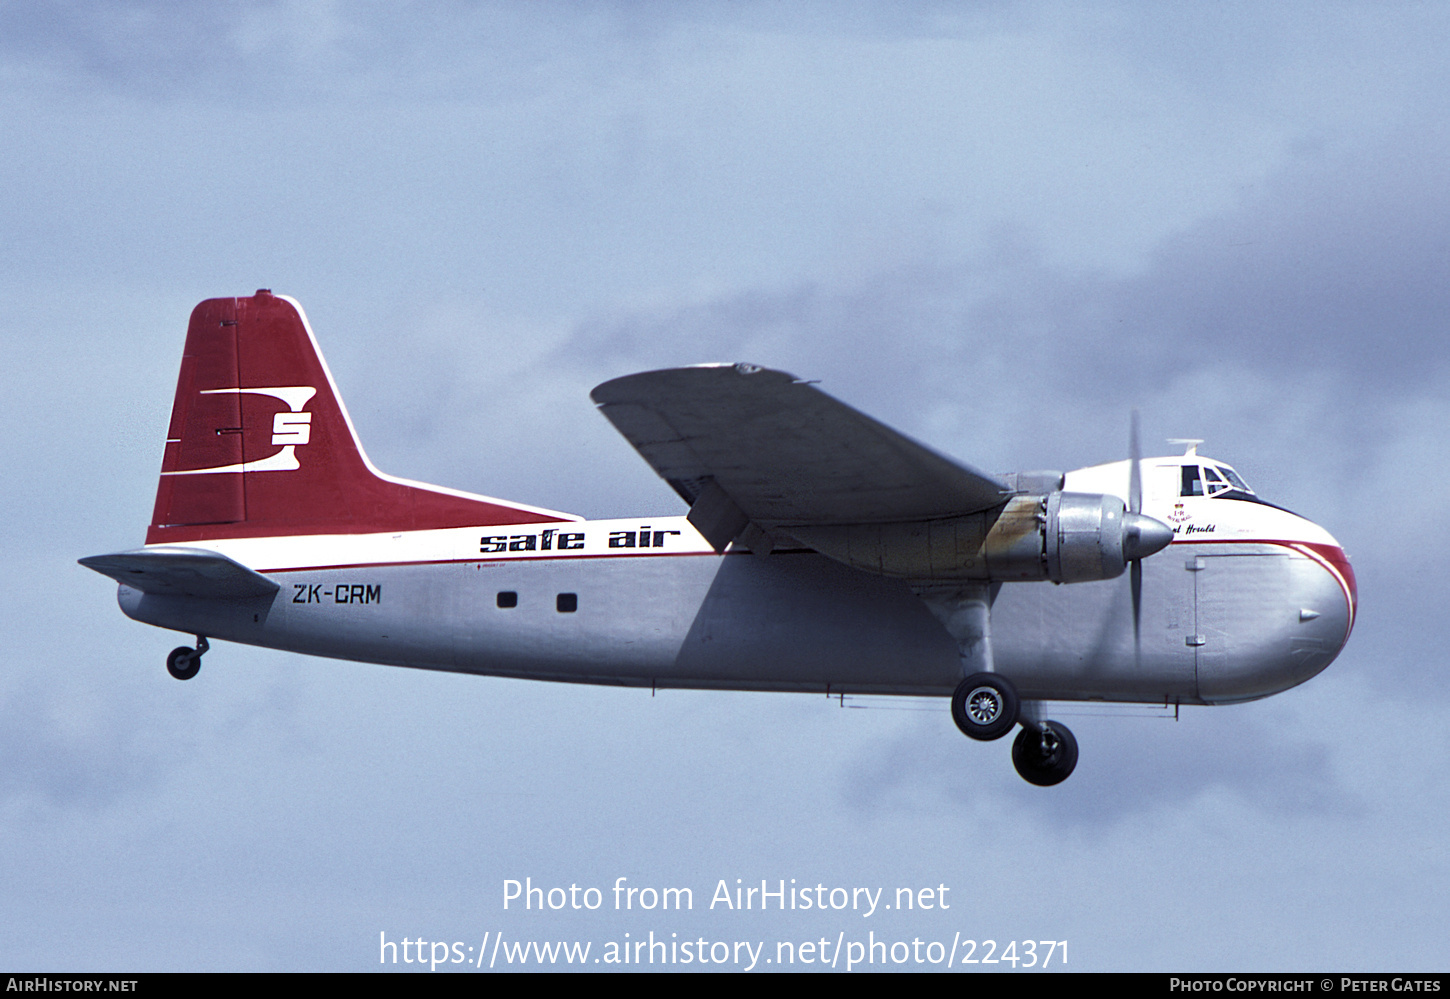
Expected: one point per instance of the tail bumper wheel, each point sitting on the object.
(1045, 756)
(183, 663)
(985, 706)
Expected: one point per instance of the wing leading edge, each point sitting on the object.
(752, 446)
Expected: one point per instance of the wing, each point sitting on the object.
(782, 453)
(182, 572)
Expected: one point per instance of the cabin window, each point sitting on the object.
(508, 598)
(1192, 484)
(567, 603)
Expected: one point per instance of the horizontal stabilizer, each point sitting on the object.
(783, 452)
(182, 572)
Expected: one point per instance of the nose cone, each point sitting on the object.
(1272, 620)
(1326, 600)
(1336, 563)
(1142, 536)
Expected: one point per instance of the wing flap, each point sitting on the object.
(784, 452)
(182, 572)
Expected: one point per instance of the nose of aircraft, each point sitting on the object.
(1272, 619)
(1336, 563)
(1323, 587)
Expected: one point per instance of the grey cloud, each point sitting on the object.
(1334, 269)
(60, 751)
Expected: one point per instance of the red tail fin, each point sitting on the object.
(260, 444)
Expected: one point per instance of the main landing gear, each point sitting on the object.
(185, 663)
(985, 706)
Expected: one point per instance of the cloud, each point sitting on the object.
(71, 751)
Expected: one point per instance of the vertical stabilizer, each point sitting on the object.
(261, 445)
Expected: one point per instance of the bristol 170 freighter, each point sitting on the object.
(822, 551)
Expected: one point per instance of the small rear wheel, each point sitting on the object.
(183, 663)
(985, 706)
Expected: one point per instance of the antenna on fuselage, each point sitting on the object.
(1192, 445)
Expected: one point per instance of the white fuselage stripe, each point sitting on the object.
(639, 536)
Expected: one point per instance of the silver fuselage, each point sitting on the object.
(1245, 605)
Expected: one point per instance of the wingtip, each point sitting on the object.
(625, 387)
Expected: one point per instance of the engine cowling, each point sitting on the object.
(1059, 536)
(1093, 536)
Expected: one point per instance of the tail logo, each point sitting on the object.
(289, 430)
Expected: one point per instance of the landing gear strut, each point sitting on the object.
(184, 663)
(1044, 753)
(985, 706)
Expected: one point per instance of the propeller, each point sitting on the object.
(1142, 535)
(1135, 506)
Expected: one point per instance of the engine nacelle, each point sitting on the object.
(1062, 537)
(1083, 537)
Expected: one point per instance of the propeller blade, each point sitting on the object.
(1142, 536)
(1145, 534)
(1135, 579)
(1135, 470)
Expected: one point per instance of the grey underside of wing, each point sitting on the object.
(182, 572)
(785, 452)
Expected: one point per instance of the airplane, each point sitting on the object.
(822, 552)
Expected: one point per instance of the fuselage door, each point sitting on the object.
(1245, 622)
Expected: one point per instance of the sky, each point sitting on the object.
(998, 227)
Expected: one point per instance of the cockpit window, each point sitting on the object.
(1237, 482)
(1216, 483)
(1215, 480)
(1192, 484)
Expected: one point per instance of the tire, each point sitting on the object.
(183, 663)
(1049, 766)
(985, 706)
